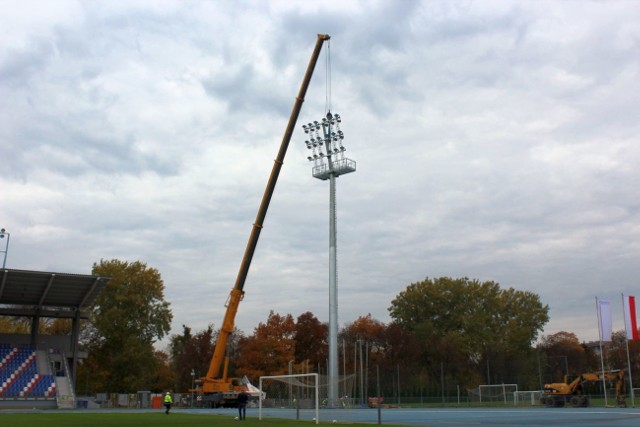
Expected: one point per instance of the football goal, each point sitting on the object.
(493, 393)
(526, 398)
(296, 391)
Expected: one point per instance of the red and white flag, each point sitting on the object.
(605, 321)
(630, 323)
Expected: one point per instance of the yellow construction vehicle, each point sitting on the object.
(571, 391)
(216, 388)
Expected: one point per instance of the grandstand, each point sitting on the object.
(38, 371)
(19, 374)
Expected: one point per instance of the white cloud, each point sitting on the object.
(494, 140)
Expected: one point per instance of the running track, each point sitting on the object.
(470, 417)
(435, 417)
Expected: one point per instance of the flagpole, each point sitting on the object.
(604, 384)
(626, 336)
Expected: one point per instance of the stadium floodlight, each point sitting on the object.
(4, 233)
(329, 162)
(326, 142)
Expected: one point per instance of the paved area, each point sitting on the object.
(435, 417)
(470, 417)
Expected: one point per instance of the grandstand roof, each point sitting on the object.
(46, 294)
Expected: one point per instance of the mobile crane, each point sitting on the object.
(218, 389)
(570, 392)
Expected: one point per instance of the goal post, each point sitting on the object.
(494, 392)
(283, 390)
(527, 397)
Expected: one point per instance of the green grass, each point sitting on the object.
(150, 419)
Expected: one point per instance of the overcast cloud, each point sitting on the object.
(495, 140)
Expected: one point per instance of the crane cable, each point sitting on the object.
(327, 101)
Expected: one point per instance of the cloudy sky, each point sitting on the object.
(495, 140)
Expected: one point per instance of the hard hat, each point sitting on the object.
(168, 393)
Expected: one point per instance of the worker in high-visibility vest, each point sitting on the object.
(167, 402)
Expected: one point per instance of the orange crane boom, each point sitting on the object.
(213, 382)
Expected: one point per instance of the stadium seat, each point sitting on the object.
(19, 377)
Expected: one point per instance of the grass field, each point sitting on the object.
(62, 419)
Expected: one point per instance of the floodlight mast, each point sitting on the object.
(329, 146)
(3, 233)
(222, 386)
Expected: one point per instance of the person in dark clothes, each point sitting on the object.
(243, 398)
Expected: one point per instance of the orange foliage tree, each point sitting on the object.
(561, 353)
(270, 348)
(311, 342)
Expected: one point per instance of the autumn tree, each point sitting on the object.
(129, 316)
(475, 321)
(364, 333)
(164, 378)
(310, 340)
(46, 325)
(180, 362)
(193, 352)
(270, 348)
(364, 328)
(14, 325)
(616, 353)
(561, 354)
(190, 352)
(56, 327)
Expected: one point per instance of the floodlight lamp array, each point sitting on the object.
(326, 143)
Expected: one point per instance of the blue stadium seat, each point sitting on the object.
(19, 373)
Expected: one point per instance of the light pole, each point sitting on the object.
(3, 233)
(366, 372)
(290, 386)
(329, 162)
(361, 375)
(193, 384)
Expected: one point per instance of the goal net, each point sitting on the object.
(493, 393)
(527, 398)
(299, 391)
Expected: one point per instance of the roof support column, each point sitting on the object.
(75, 333)
(35, 329)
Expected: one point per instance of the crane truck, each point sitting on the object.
(216, 388)
(571, 391)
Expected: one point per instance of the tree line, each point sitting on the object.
(445, 334)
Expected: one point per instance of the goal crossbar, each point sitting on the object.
(292, 379)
